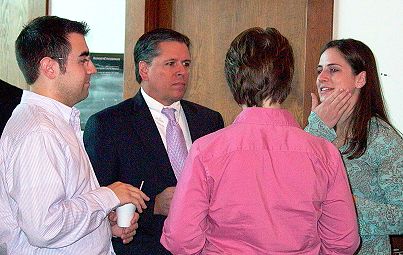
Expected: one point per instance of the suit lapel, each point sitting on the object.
(147, 130)
(192, 119)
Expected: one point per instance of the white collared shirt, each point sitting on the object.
(50, 199)
(162, 121)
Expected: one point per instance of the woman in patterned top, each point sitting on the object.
(352, 115)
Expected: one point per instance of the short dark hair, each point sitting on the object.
(147, 47)
(259, 65)
(370, 101)
(45, 36)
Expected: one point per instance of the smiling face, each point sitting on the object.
(165, 79)
(335, 73)
(73, 85)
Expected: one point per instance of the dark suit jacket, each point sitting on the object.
(10, 97)
(124, 144)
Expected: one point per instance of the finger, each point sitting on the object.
(139, 192)
(342, 99)
(170, 195)
(113, 216)
(127, 240)
(343, 108)
(339, 105)
(169, 203)
(128, 234)
(112, 221)
(314, 100)
(140, 204)
(348, 111)
(117, 231)
(130, 229)
(330, 99)
(140, 200)
(144, 196)
(339, 94)
(135, 218)
(137, 200)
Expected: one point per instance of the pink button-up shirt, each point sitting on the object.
(262, 186)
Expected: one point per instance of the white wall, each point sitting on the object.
(105, 18)
(379, 24)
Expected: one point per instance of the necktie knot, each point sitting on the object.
(169, 113)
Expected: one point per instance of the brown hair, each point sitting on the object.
(370, 101)
(259, 65)
(45, 36)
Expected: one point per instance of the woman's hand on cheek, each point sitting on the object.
(333, 107)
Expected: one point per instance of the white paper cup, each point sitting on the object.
(125, 214)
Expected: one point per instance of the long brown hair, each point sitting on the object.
(370, 102)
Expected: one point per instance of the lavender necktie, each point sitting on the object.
(176, 145)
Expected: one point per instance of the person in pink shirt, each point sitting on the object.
(262, 185)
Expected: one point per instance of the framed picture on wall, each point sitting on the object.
(106, 85)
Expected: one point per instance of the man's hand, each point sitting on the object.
(129, 194)
(126, 234)
(163, 201)
(337, 106)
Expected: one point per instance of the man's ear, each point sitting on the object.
(361, 80)
(49, 67)
(143, 70)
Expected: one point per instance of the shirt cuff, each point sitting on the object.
(109, 199)
(317, 127)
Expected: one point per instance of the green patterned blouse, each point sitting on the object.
(376, 179)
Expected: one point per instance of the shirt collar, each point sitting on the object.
(70, 114)
(154, 105)
(266, 116)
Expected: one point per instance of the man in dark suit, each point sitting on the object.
(127, 142)
(10, 97)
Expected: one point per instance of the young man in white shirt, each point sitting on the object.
(50, 199)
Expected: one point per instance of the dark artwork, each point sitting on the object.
(10, 97)
(397, 244)
(106, 85)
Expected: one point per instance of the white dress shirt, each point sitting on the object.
(50, 199)
(162, 121)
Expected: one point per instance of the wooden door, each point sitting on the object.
(213, 24)
(14, 14)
